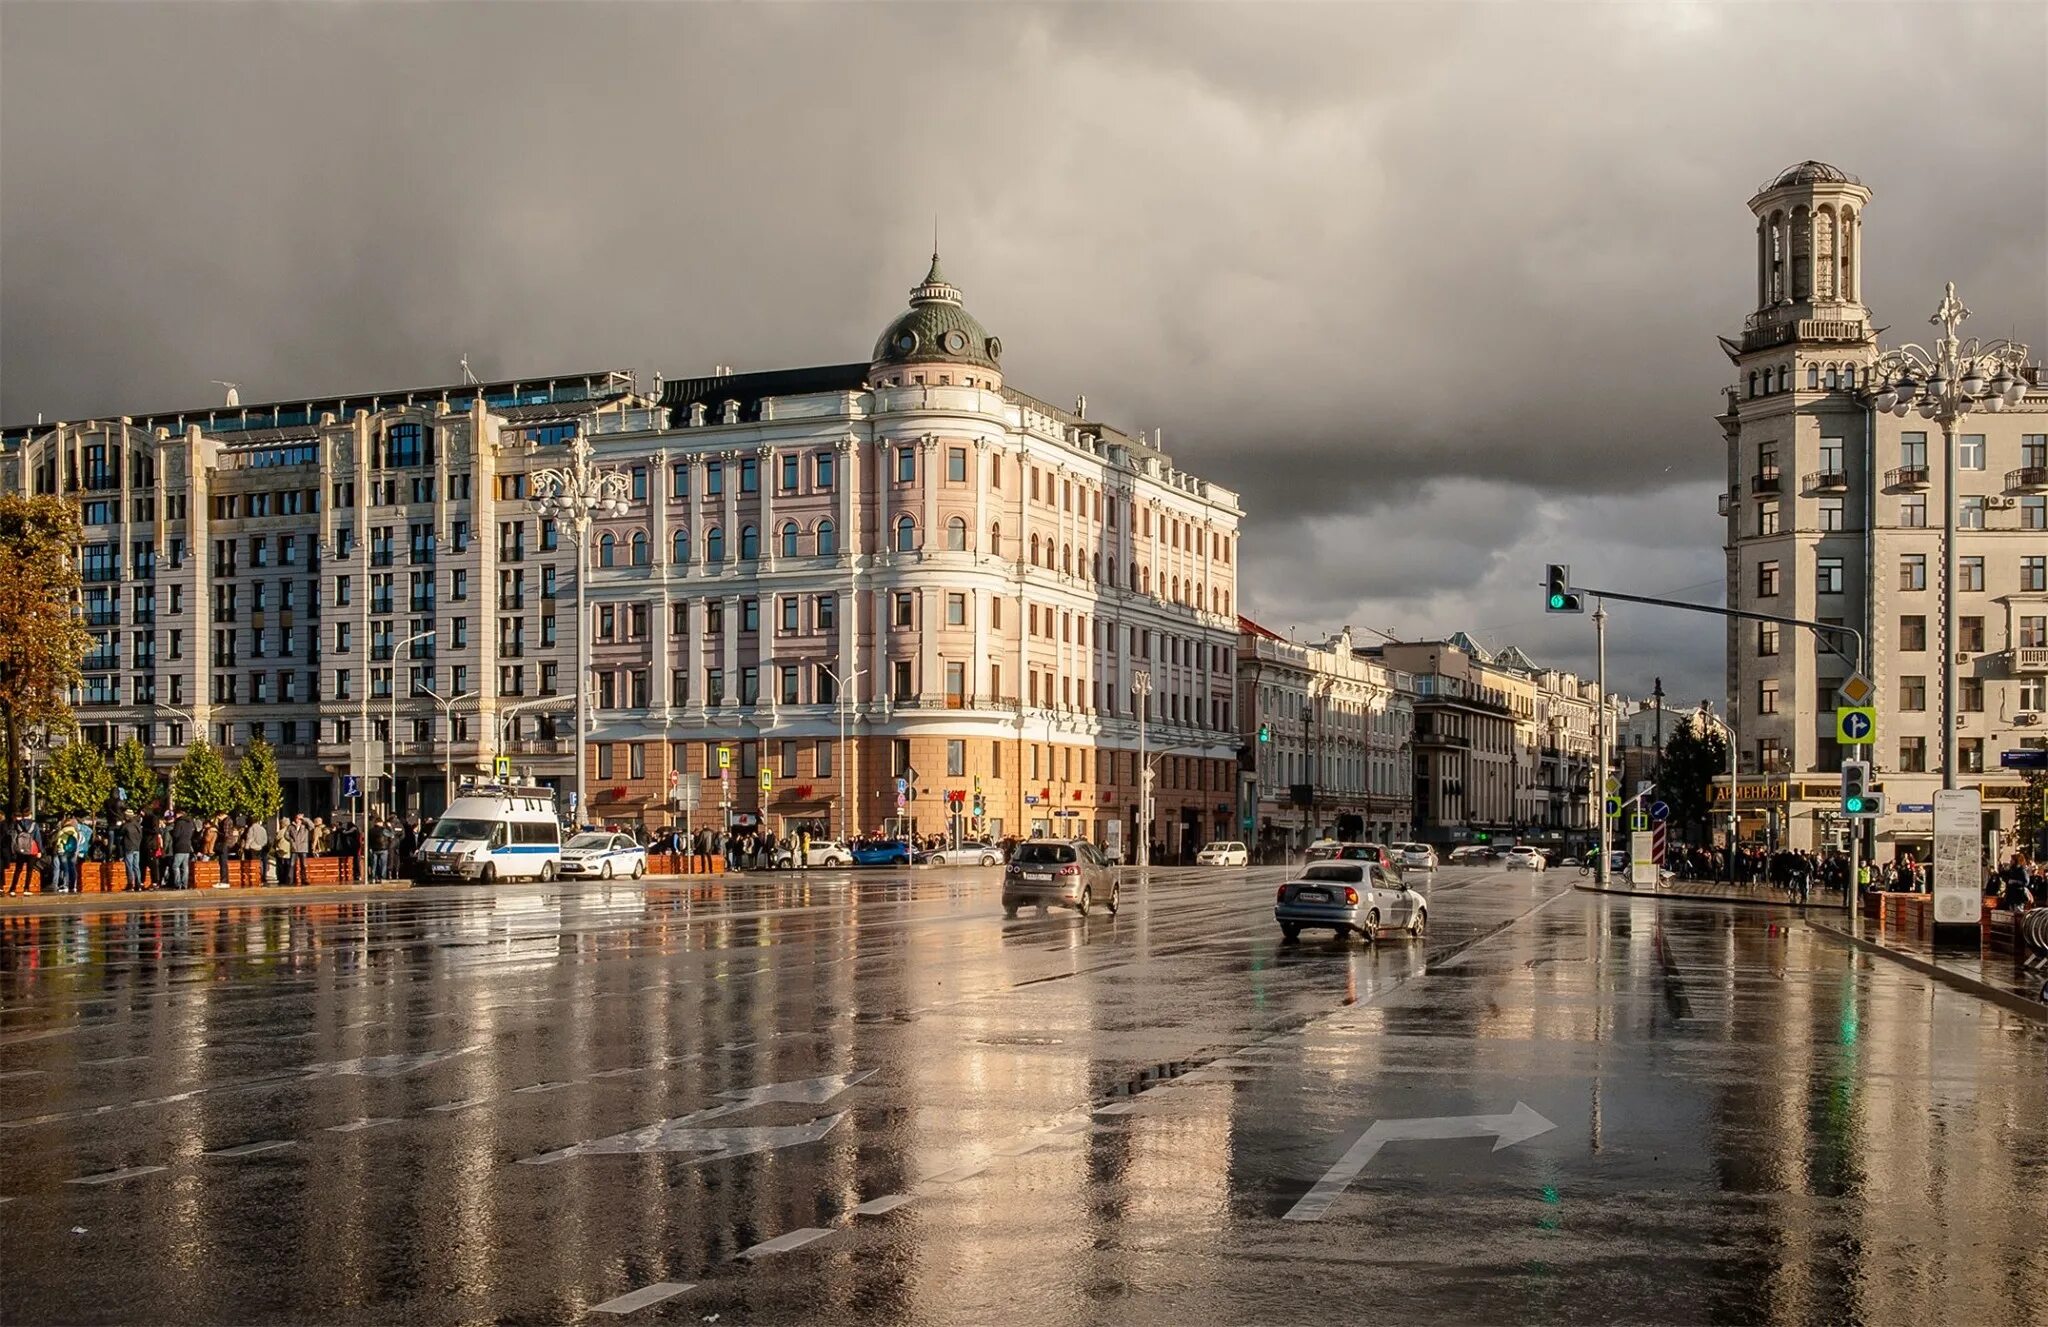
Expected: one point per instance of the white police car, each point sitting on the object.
(603, 856)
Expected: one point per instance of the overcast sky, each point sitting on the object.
(1434, 287)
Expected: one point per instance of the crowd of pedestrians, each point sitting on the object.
(174, 850)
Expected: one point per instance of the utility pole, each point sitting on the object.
(1657, 762)
(1141, 687)
(1600, 685)
(1734, 783)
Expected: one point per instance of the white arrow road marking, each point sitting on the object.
(686, 1134)
(1516, 1126)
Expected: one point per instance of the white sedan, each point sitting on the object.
(603, 856)
(1525, 859)
(1223, 854)
(821, 852)
(967, 854)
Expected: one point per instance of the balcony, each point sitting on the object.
(1765, 481)
(2027, 479)
(2030, 659)
(1826, 481)
(103, 617)
(1729, 501)
(511, 601)
(1906, 476)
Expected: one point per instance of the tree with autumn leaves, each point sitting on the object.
(42, 642)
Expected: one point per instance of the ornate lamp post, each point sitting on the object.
(572, 496)
(1141, 687)
(1945, 383)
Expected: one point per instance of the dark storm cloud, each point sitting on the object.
(1341, 255)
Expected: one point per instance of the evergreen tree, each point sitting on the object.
(258, 794)
(76, 781)
(1692, 761)
(201, 783)
(138, 783)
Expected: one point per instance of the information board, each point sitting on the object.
(1642, 857)
(1958, 856)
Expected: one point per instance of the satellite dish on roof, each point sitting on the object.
(234, 391)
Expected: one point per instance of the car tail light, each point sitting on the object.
(1280, 895)
(1069, 869)
(1350, 894)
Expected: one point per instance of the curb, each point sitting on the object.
(2019, 1004)
(161, 897)
(1708, 898)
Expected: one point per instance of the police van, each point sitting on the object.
(496, 831)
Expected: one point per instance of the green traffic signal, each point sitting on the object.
(1853, 805)
(1557, 601)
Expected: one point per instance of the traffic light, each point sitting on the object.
(1855, 787)
(1265, 732)
(1558, 596)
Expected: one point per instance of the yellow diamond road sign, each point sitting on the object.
(1855, 724)
(1857, 691)
(1613, 785)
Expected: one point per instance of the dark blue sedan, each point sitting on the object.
(886, 852)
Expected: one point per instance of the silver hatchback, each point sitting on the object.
(1062, 873)
(1345, 897)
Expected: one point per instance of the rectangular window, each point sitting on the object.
(956, 685)
(1767, 579)
(1970, 513)
(791, 608)
(821, 758)
(1970, 452)
(1970, 573)
(636, 760)
(1912, 755)
(605, 768)
(750, 475)
(1913, 511)
(1970, 634)
(1766, 639)
(714, 686)
(956, 465)
(750, 614)
(2034, 450)
(1912, 693)
(789, 473)
(1913, 632)
(2034, 513)
(824, 684)
(679, 480)
(1913, 451)
(900, 609)
(899, 678)
(956, 607)
(2033, 631)
(2034, 573)
(1767, 517)
(1828, 575)
(1913, 571)
(1767, 698)
(828, 612)
(787, 674)
(750, 686)
(906, 465)
(1830, 513)
(785, 759)
(821, 471)
(1970, 755)
(956, 758)
(679, 686)
(714, 479)
(1970, 695)
(1831, 456)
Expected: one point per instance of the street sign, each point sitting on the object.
(1915, 808)
(1660, 811)
(1031, 799)
(1857, 691)
(1613, 786)
(1638, 822)
(1855, 724)
(725, 757)
(2026, 757)
(1657, 844)
(767, 779)
(1613, 807)
(1958, 855)
(502, 767)
(351, 786)
(684, 790)
(1643, 787)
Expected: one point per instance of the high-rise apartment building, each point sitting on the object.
(1834, 514)
(961, 582)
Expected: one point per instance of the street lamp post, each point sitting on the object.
(847, 779)
(1141, 687)
(1945, 383)
(447, 748)
(170, 785)
(574, 495)
(391, 733)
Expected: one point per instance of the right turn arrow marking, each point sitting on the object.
(1518, 1125)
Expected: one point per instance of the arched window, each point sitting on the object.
(1849, 376)
(1132, 583)
(714, 545)
(639, 548)
(1752, 382)
(828, 540)
(680, 552)
(607, 549)
(1834, 377)
(956, 534)
(750, 543)
(1067, 558)
(995, 539)
(1813, 377)
(1784, 377)
(789, 539)
(906, 535)
(1173, 587)
(1095, 568)
(1034, 550)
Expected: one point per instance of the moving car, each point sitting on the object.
(1526, 859)
(602, 855)
(1330, 851)
(1059, 873)
(967, 854)
(1346, 897)
(1223, 853)
(1416, 856)
(495, 832)
(1472, 854)
(821, 852)
(885, 852)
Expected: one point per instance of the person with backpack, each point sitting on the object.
(66, 844)
(25, 855)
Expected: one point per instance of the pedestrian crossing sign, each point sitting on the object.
(502, 767)
(767, 779)
(725, 757)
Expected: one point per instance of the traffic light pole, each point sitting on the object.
(1600, 726)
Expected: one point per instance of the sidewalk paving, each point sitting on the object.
(1717, 891)
(2001, 978)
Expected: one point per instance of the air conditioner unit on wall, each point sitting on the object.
(1962, 656)
(1999, 503)
(2025, 719)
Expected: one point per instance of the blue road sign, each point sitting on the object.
(1660, 811)
(1856, 724)
(1916, 808)
(1613, 807)
(351, 786)
(2026, 757)
(1031, 799)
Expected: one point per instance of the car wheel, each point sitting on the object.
(1081, 904)
(1010, 910)
(990, 861)
(1115, 892)
(1421, 920)
(640, 868)
(1289, 932)
(1370, 932)
(605, 872)
(1041, 909)
(547, 872)
(489, 875)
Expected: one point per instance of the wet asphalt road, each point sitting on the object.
(885, 1104)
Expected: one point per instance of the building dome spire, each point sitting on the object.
(937, 328)
(935, 288)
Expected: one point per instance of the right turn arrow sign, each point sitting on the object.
(1518, 1125)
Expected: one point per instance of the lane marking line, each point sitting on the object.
(883, 1205)
(960, 1173)
(539, 1087)
(116, 1176)
(367, 1122)
(448, 1106)
(644, 1296)
(795, 1239)
(252, 1149)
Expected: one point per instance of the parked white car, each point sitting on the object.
(967, 854)
(821, 852)
(603, 856)
(1223, 853)
(1525, 859)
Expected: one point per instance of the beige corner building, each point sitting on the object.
(1835, 512)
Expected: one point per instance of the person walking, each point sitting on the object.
(25, 854)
